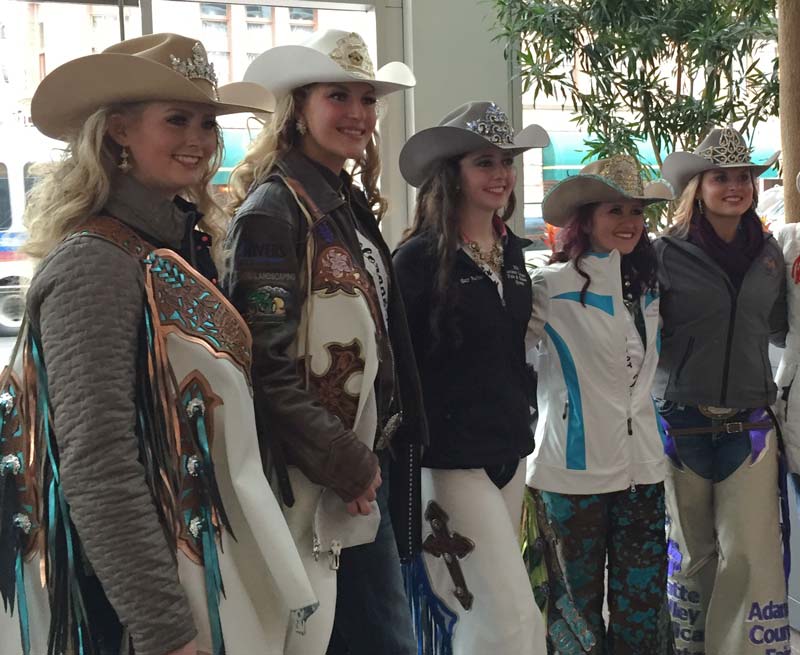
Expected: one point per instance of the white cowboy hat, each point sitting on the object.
(328, 56)
(605, 180)
(166, 67)
(722, 148)
(467, 128)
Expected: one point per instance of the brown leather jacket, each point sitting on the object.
(267, 245)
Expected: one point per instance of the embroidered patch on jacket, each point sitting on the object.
(267, 302)
(770, 265)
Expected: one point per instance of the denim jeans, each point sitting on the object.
(711, 456)
(372, 613)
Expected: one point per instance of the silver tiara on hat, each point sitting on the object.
(196, 67)
(731, 149)
(493, 126)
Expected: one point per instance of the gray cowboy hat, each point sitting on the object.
(724, 147)
(605, 180)
(467, 128)
(329, 56)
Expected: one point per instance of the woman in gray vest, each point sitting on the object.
(723, 300)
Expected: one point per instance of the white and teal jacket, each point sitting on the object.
(596, 433)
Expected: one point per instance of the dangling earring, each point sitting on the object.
(301, 127)
(700, 208)
(124, 165)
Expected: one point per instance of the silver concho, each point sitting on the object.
(195, 406)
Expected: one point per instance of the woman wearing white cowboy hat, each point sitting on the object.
(462, 275)
(598, 466)
(128, 447)
(723, 298)
(333, 371)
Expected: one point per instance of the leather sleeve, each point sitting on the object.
(87, 302)
(265, 284)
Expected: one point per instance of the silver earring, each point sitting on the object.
(301, 127)
(124, 165)
(700, 208)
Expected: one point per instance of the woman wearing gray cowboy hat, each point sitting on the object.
(462, 275)
(334, 373)
(598, 466)
(723, 299)
(121, 478)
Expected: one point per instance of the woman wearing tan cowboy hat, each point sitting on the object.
(128, 449)
(333, 370)
(598, 466)
(462, 275)
(723, 299)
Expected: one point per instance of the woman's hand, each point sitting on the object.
(361, 505)
(188, 649)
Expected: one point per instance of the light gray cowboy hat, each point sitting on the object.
(722, 148)
(328, 56)
(605, 180)
(467, 128)
(166, 67)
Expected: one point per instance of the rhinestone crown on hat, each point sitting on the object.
(196, 67)
(623, 170)
(493, 126)
(352, 55)
(731, 149)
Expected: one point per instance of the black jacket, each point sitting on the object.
(476, 388)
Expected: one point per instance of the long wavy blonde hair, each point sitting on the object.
(687, 206)
(77, 187)
(278, 136)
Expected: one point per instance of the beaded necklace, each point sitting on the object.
(493, 259)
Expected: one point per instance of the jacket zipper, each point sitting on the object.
(726, 370)
(630, 438)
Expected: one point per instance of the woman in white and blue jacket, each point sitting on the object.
(598, 466)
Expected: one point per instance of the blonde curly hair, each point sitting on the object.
(278, 136)
(77, 187)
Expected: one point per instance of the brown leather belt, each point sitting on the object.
(731, 427)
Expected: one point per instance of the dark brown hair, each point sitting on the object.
(435, 215)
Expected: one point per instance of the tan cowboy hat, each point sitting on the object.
(467, 128)
(722, 148)
(328, 56)
(154, 67)
(605, 180)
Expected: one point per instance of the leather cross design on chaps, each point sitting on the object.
(450, 546)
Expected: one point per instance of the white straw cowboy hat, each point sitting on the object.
(166, 67)
(327, 57)
(722, 148)
(467, 128)
(605, 180)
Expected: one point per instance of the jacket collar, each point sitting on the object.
(682, 243)
(318, 183)
(163, 221)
